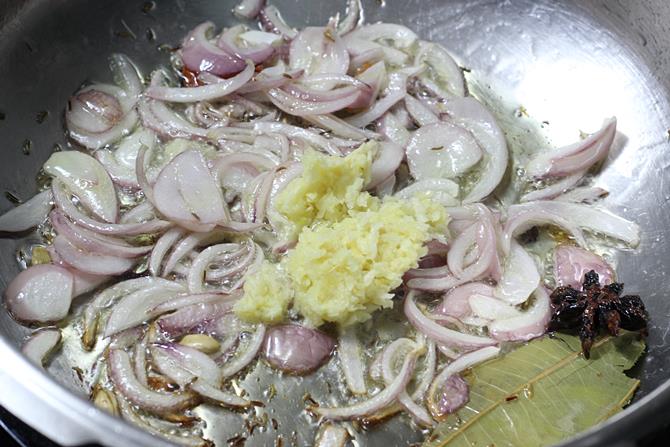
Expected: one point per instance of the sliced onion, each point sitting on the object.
(86, 282)
(183, 364)
(187, 318)
(572, 263)
(199, 54)
(421, 114)
(94, 110)
(445, 77)
(453, 392)
(520, 277)
(186, 192)
(340, 127)
(442, 190)
(388, 158)
(583, 194)
(242, 360)
(207, 391)
(474, 117)
(379, 400)
(140, 360)
(531, 324)
(27, 215)
(319, 50)
(456, 302)
(140, 306)
(394, 92)
(297, 349)
(490, 308)
(272, 21)
(554, 189)
(182, 301)
(349, 350)
(94, 263)
(331, 435)
(126, 76)
(40, 344)
(168, 432)
(571, 217)
(158, 117)
(401, 36)
(130, 229)
(187, 244)
(298, 132)
(402, 345)
(40, 294)
(202, 93)
(87, 240)
(124, 380)
(576, 157)
(352, 19)
(299, 107)
(249, 9)
(163, 245)
(87, 179)
(438, 333)
(256, 54)
(393, 129)
(196, 275)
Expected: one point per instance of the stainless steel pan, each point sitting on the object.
(568, 63)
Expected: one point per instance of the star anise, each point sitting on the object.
(595, 307)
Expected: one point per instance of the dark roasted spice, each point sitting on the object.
(27, 146)
(596, 307)
(41, 116)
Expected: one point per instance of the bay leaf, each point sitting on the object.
(542, 392)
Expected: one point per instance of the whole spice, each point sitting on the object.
(596, 307)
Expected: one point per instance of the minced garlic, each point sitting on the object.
(352, 248)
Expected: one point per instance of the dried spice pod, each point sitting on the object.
(596, 307)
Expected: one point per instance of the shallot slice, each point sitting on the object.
(209, 392)
(379, 400)
(186, 192)
(242, 360)
(183, 364)
(445, 77)
(576, 157)
(271, 20)
(530, 324)
(138, 307)
(319, 50)
(88, 262)
(331, 435)
(297, 349)
(199, 54)
(520, 276)
(441, 150)
(572, 263)
(401, 345)
(249, 9)
(27, 215)
(185, 319)
(440, 334)
(474, 117)
(571, 217)
(388, 158)
(161, 248)
(40, 294)
(124, 380)
(86, 178)
(446, 396)
(209, 92)
(490, 308)
(349, 350)
(352, 19)
(456, 302)
(442, 190)
(40, 344)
